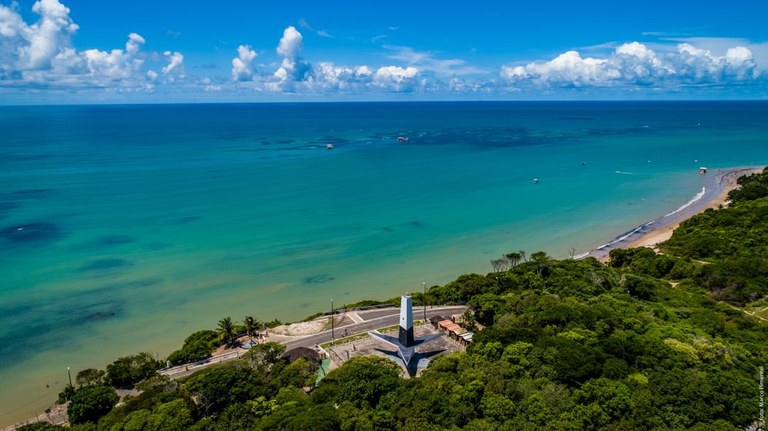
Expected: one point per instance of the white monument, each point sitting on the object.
(405, 342)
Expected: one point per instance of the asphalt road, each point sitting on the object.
(372, 322)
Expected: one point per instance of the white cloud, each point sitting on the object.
(33, 47)
(135, 42)
(100, 67)
(394, 76)
(346, 78)
(428, 61)
(637, 64)
(720, 45)
(41, 54)
(290, 44)
(700, 65)
(48, 36)
(175, 67)
(242, 65)
(292, 68)
(567, 68)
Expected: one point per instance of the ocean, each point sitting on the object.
(126, 228)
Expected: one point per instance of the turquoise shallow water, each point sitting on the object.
(125, 228)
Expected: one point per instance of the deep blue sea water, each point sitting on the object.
(125, 228)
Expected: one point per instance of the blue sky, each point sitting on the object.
(83, 51)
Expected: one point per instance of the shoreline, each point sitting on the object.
(649, 234)
(660, 229)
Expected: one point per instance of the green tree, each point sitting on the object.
(91, 377)
(363, 380)
(197, 346)
(89, 403)
(264, 355)
(217, 387)
(129, 370)
(227, 330)
(251, 324)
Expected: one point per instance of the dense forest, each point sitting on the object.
(649, 341)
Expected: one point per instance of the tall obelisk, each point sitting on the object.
(405, 342)
(406, 321)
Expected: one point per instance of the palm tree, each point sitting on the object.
(227, 330)
(250, 324)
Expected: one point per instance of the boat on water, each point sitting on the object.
(329, 146)
(403, 139)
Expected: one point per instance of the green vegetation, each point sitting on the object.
(720, 251)
(89, 403)
(227, 331)
(129, 370)
(197, 346)
(648, 342)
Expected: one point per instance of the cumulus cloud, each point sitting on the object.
(636, 64)
(298, 75)
(292, 68)
(346, 78)
(134, 43)
(290, 44)
(395, 77)
(242, 65)
(33, 47)
(175, 66)
(42, 54)
(48, 36)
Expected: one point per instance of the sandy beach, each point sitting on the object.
(660, 229)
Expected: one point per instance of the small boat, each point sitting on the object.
(329, 146)
(402, 139)
(703, 170)
(535, 180)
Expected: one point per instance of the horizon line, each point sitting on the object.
(430, 101)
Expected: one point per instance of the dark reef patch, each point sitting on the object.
(101, 315)
(186, 219)
(105, 265)
(144, 282)
(31, 233)
(114, 240)
(318, 279)
(6, 207)
(156, 246)
(32, 193)
(619, 131)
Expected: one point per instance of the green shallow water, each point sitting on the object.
(141, 224)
